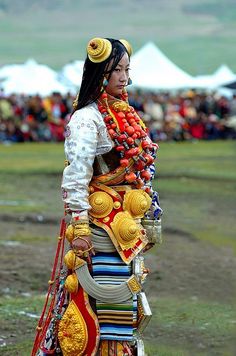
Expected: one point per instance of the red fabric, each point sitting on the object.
(197, 130)
(81, 300)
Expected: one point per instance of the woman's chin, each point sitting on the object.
(115, 93)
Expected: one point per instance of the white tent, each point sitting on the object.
(32, 78)
(73, 72)
(220, 77)
(9, 70)
(151, 69)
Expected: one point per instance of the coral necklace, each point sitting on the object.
(129, 135)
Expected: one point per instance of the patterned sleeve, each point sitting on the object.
(80, 150)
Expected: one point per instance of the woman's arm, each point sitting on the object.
(80, 150)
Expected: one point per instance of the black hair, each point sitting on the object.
(93, 75)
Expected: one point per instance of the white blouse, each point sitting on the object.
(86, 137)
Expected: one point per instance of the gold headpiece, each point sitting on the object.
(99, 49)
(127, 46)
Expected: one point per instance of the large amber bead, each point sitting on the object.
(70, 259)
(71, 283)
(70, 233)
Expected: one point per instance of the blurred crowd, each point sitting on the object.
(183, 116)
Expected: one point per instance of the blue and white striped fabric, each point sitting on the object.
(117, 321)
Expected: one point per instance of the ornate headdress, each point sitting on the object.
(99, 49)
(127, 46)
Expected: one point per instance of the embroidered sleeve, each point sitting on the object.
(80, 150)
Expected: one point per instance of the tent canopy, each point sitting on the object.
(221, 76)
(151, 69)
(32, 78)
(73, 72)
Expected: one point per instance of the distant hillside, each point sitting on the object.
(198, 35)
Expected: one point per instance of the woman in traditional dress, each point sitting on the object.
(97, 304)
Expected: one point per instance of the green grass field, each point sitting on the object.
(203, 173)
(198, 35)
(196, 182)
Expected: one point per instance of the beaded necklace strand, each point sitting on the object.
(129, 135)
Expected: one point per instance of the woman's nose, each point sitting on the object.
(124, 77)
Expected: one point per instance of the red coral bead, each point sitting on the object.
(124, 162)
(121, 138)
(145, 144)
(130, 141)
(107, 119)
(129, 130)
(120, 148)
(111, 131)
(130, 177)
(129, 115)
(113, 125)
(134, 136)
(137, 128)
(149, 159)
(121, 115)
(145, 175)
(139, 165)
(131, 121)
(104, 95)
(143, 133)
(132, 152)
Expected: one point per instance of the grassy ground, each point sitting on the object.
(191, 287)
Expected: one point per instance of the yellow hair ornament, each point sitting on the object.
(127, 46)
(99, 49)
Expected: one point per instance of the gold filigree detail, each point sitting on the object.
(101, 204)
(134, 285)
(105, 220)
(73, 333)
(137, 202)
(120, 106)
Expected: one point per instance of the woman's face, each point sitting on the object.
(119, 77)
